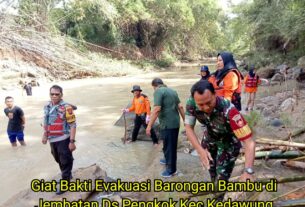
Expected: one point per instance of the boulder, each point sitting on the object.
(281, 69)
(301, 61)
(260, 106)
(288, 104)
(266, 72)
(277, 78)
(296, 71)
(267, 111)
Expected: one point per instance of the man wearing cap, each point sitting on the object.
(205, 73)
(141, 107)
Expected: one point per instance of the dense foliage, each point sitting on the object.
(261, 30)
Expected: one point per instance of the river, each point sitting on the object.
(99, 103)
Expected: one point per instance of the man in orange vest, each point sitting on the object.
(141, 107)
(227, 79)
(251, 83)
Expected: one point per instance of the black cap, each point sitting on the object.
(136, 88)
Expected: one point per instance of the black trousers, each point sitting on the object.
(138, 122)
(170, 143)
(63, 156)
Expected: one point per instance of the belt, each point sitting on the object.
(143, 114)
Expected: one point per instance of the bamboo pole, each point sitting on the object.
(279, 143)
(277, 154)
(294, 164)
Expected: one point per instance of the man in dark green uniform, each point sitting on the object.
(225, 129)
(167, 107)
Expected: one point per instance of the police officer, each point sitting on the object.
(225, 130)
(60, 130)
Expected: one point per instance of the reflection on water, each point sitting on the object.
(99, 104)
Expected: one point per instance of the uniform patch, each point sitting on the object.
(238, 120)
(70, 117)
(239, 125)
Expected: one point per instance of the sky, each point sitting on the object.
(225, 6)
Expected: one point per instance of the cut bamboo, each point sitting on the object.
(280, 143)
(294, 164)
(277, 154)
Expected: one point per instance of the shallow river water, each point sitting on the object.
(99, 103)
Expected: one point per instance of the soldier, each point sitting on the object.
(225, 129)
(60, 130)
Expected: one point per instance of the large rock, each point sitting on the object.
(29, 198)
(296, 71)
(129, 118)
(267, 111)
(288, 104)
(270, 101)
(266, 72)
(281, 69)
(301, 62)
(277, 78)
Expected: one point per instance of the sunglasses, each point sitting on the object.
(54, 94)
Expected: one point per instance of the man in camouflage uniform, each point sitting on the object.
(225, 128)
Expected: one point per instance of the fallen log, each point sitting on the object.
(277, 154)
(298, 202)
(294, 164)
(266, 148)
(280, 143)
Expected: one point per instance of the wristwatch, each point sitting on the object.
(72, 141)
(249, 170)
